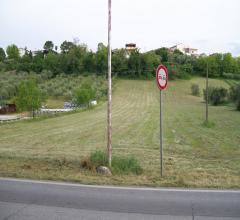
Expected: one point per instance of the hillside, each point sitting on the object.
(193, 154)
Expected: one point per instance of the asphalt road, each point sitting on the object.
(30, 200)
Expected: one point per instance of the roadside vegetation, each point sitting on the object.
(120, 165)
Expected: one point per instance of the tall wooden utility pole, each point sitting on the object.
(109, 110)
(207, 95)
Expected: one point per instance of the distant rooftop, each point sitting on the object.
(130, 45)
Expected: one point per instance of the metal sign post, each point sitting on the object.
(162, 79)
(161, 134)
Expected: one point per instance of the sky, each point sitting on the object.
(208, 25)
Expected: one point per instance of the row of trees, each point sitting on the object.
(75, 58)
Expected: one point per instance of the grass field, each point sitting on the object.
(194, 156)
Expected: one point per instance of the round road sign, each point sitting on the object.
(162, 77)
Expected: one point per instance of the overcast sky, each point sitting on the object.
(209, 25)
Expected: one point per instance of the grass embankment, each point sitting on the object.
(194, 155)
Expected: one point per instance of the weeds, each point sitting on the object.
(120, 165)
(208, 124)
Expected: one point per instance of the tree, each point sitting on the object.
(89, 62)
(134, 64)
(213, 65)
(163, 53)
(2, 54)
(66, 46)
(101, 58)
(149, 63)
(119, 62)
(177, 51)
(51, 62)
(29, 97)
(12, 52)
(84, 94)
(72, 62)
(48, 45)
(228, 64)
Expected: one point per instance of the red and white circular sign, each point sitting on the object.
(162, 77)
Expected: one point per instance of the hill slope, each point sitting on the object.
(193, 155)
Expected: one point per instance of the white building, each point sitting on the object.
(129, 48)
(185, 49)
(22, 51)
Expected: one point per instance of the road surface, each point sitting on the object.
(30, 200)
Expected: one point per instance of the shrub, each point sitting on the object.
(120, 165)
(46, 74)
(216, 95)
(126, 165)
(235, 95)
(195, 90)
(84, 94)
(87, 164)
(99, 158)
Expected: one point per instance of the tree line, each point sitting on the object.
(75, 58)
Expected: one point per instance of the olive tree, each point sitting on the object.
(84, 94)
(29, 97)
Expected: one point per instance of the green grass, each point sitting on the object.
(54, 103)
(120, 165)
(194, 155)
(232, 82)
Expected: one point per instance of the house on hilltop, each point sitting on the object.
(23, 51)
(185, 49)
(129, 48)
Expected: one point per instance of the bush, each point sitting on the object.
(126, 165)
(195, 90)
(84, 94)
(99, 158)
(216, 95)
(235, 95)
(120, 165)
